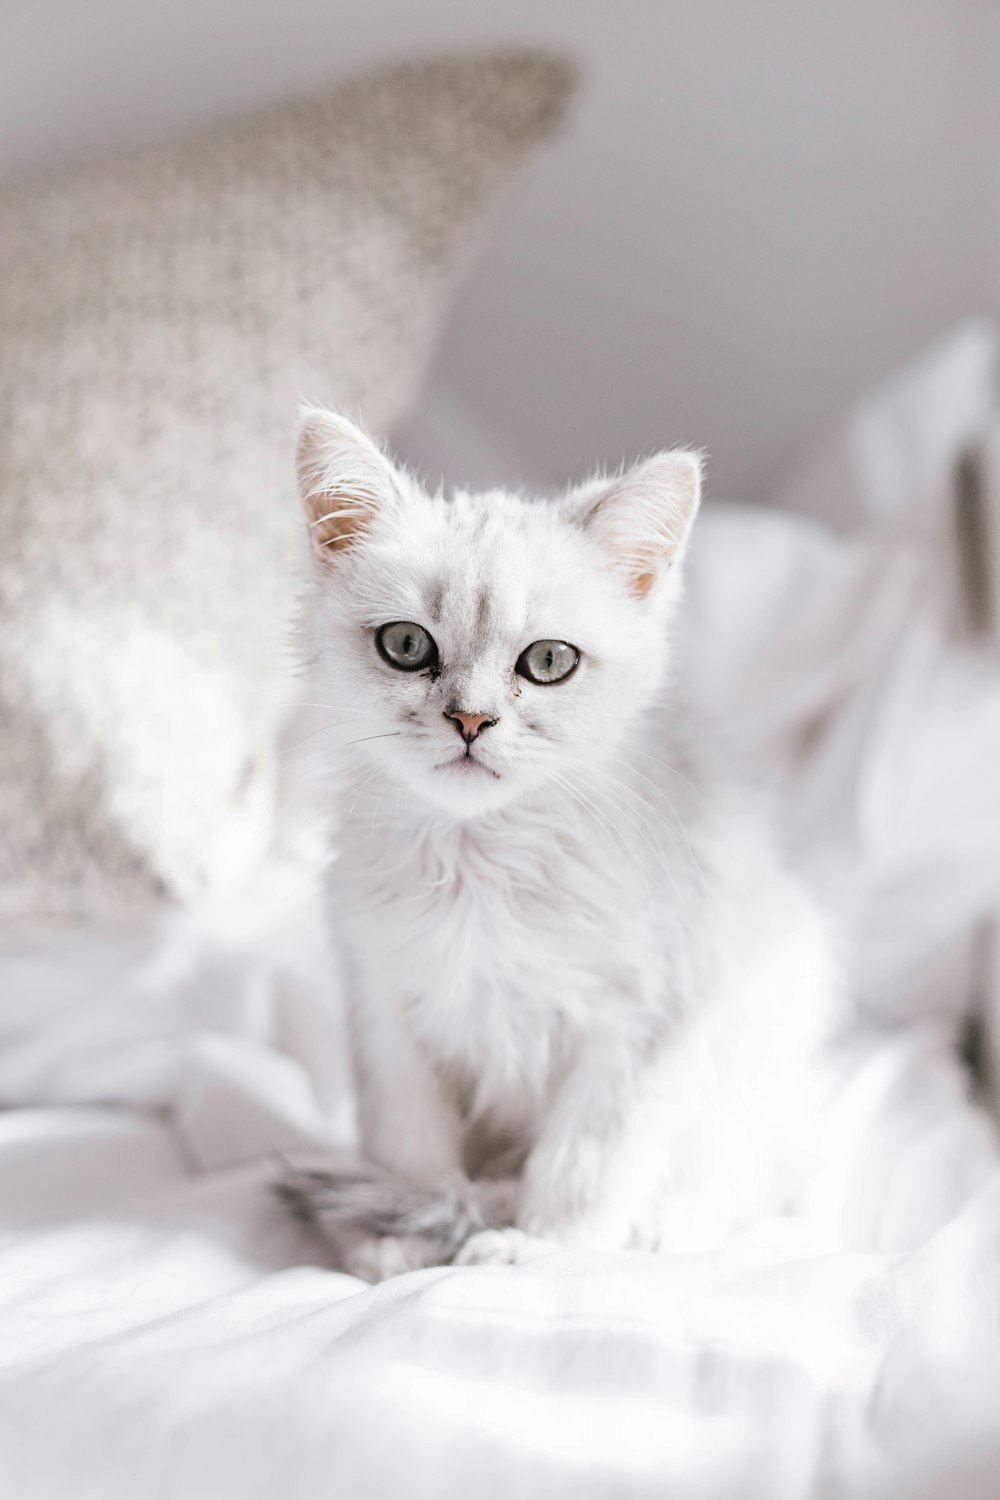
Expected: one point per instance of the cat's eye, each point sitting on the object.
(406, 646)
(548, 661)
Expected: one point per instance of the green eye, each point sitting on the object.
(406, 646)
(548, 661)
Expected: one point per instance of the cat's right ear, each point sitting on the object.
(343, 479)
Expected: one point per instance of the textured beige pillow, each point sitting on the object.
(158, 322)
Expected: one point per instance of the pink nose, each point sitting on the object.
(470, 725)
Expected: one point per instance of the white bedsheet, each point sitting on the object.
(166, 1332)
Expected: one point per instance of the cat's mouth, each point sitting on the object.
(467, 765)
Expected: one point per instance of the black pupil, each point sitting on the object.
(550, 659)
(409, 645)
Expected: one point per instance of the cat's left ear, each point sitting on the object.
(644, 519)
(344, 478)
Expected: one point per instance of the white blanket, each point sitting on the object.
(166, 1331)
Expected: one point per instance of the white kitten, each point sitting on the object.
(574, 962)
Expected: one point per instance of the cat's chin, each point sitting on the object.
(468, 769)
(466, 788)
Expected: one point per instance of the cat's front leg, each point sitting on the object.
(409, 1123)
(592, 1179)
(406, 1205)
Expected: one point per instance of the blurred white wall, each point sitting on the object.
(760, 206)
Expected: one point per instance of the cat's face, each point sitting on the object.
(481, 646)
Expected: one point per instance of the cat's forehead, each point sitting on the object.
(488, 564)
(481, 558)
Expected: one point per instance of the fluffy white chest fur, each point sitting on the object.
(574, 962)
(501, 944)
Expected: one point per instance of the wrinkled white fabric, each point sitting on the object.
(844, 690)
(170, 1334)
(891, 459)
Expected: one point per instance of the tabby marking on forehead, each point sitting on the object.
(484, 607)
(435, 598)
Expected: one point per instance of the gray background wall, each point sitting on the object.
(759, 207)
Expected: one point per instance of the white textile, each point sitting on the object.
(167, 1334)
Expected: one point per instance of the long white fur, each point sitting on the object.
(582, 965)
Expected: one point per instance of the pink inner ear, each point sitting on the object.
(644, 518)
(342, 480)
(337, 520)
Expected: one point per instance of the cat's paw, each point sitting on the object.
(352, 1204)
(501, 1247)
(377, 1257)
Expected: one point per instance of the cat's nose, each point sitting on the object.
(469, 726)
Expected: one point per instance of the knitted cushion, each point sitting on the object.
(158, 321)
